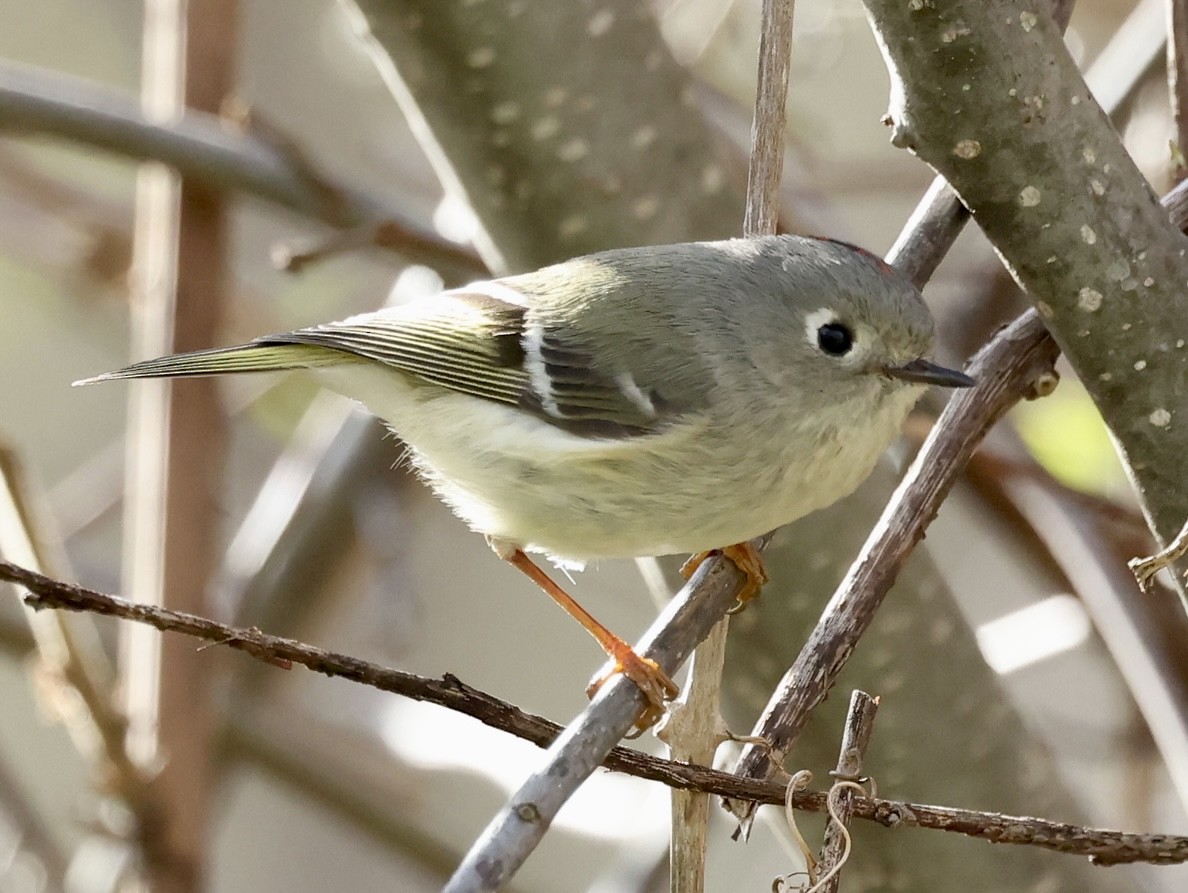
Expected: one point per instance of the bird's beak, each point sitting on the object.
(923, 371)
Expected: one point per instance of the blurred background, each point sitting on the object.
(1020, 669)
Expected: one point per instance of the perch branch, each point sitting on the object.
(1106, 847)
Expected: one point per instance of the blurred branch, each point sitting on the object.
(1104, 846)
(348, 772)
(70, 659)
(203, 149)
(521, 115)
(176, 441)
(31, 832)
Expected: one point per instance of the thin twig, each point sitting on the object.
(855, 738)
(32, 834)
(767, 131)
(1104, 846)
(1177, 81)
(693, 728)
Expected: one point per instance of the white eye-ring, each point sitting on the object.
(826, 333)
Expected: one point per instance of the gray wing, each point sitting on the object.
(477, 344)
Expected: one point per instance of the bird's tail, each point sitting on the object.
(255, 357)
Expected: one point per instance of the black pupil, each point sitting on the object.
(835, 339)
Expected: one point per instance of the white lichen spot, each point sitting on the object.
(1089, 300)
(1076, 100)
(1127, 326)
(1148, 282)
(1028, 20)
(1097, 187)
(967, 149)
(1160, 418)
(1052, 259)
(573, 225)
(1089, 155)
(1179, 343)
(965, 88)
(545, 128)
(1012, 92)
(915, 5)
(600, 22)
(1105, 376)
(1087, 233)
(644, 137)
(1029, 197)
(1140, 365)
(953, 33)
(480, 57)
(1045, 309)
(554, 96)
(645, 207)
(574, 149)
(713, 178)
(505, 112)
(1105, 168)
(1141, 256)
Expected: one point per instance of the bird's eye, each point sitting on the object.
(835, 339)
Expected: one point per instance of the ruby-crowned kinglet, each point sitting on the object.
(635, 402)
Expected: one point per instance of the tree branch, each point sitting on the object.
(1105, 847)
(1036, 159)
(855, 738)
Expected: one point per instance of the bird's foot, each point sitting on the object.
(655, 684)
(746, 558)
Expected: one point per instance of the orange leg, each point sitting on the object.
(745, 557)
(652, 681)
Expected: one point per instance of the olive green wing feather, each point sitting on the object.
(463, 340)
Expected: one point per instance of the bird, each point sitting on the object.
(634, 402)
